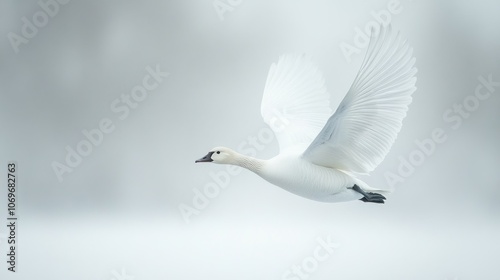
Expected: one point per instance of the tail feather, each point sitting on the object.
(366, 187)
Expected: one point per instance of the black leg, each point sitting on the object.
(369, 196)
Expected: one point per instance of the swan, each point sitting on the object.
(322, 154)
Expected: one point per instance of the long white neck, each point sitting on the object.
(253, 164)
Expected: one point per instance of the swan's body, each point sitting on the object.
(301, 177)
(321, 153)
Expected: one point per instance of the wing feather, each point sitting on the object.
(360, 133)
(295, 103)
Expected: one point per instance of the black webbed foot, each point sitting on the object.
(369, 196)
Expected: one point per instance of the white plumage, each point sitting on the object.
(320, 153)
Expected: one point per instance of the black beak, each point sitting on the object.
(207, 158)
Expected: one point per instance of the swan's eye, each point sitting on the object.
(218, 152)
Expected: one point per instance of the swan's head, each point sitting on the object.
(220, 155)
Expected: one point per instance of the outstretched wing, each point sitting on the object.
(295, 103)
(361, 132)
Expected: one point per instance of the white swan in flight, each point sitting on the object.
(320, 153)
